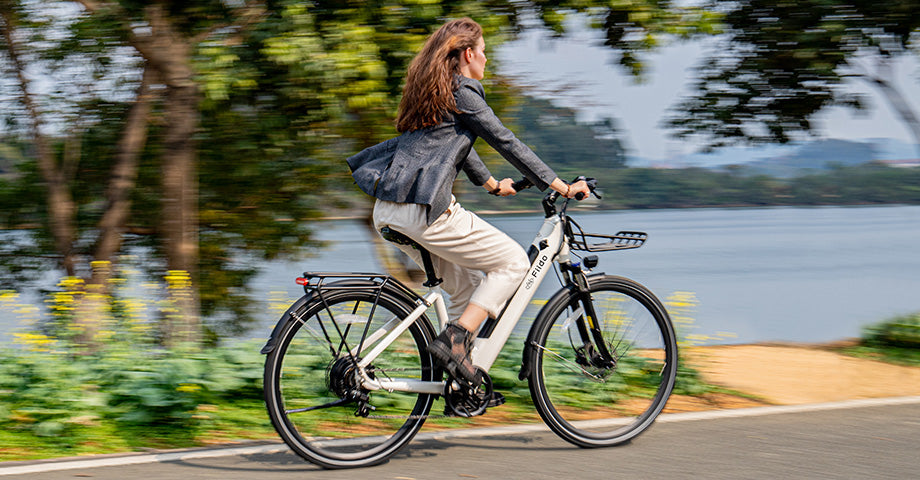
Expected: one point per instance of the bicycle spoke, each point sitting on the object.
(569, 363)
(343, 401)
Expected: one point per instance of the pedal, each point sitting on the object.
(464, 400)
(496, 400)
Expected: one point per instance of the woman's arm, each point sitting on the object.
(476, 115)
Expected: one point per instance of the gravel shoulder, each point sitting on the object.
(794, 374)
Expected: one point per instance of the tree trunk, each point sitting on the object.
(122, 180)
(61, 207)
(180, 203)
(170, 54)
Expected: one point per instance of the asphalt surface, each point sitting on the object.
(842, 442)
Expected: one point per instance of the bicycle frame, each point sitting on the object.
(549, 244)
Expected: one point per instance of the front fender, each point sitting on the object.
(532, 335)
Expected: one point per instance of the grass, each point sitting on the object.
(224, 424)
(895, 355)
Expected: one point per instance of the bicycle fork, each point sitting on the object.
(593, 350)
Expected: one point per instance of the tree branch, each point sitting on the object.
(251, 12)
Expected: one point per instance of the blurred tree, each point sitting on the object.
(217, 128)
(780, 63)
(59, 199)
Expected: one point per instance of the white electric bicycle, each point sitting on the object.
(349, 380)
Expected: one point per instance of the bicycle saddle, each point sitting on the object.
(391, 235)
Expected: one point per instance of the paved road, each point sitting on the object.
(861, 442)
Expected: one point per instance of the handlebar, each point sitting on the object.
(524, 183)
(549, 201)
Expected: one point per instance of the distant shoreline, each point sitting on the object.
(487, 212)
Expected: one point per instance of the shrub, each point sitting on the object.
(55, 379)
(902, 331)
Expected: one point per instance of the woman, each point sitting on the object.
(442, 112)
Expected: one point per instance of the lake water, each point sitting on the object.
(769, 274)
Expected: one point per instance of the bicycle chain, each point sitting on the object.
(405, 417)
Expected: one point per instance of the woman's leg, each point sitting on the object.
(480, 265)
(462, 246)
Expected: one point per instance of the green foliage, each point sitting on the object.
(52, 389)
(97, 360)
(902, 332)
(780, 63)
(667, 188)
(896, 340)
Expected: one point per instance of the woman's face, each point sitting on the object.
(476, 58)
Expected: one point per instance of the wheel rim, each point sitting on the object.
(314, 368)
(600, 405)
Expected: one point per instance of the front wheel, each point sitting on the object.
(601, 381)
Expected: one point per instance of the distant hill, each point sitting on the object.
(790, 160)
(816, 156)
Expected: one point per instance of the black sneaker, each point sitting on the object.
(452, 351)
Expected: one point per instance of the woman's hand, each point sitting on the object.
(502, 188)
(578, 187)
(505, 187)
(570, 190)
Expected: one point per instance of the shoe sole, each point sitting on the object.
(443, 356)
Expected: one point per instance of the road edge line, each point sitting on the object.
(134, 459)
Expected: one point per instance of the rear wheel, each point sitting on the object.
(311, 390)
(590, 400)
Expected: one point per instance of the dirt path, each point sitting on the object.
(787, 375)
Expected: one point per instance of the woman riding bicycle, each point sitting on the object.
(442, 112)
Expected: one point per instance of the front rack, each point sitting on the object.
(599, 242)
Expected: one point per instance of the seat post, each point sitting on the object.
(433, 280)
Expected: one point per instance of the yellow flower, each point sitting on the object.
(188, 387)
(34, 342)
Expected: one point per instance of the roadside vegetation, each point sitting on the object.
(896, 340)
(64, 392)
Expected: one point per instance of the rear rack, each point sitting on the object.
(600, 242)
(372, 282)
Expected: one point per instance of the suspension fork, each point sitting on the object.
(594, 349)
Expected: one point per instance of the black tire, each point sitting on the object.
(592, 406)
(309, 366)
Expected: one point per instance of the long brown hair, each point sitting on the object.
(429, 91)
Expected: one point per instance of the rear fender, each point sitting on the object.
(276, 332)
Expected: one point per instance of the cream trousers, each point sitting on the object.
(478, 262)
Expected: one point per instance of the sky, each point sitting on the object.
(577, 71)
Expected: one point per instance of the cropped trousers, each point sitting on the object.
(478, 262)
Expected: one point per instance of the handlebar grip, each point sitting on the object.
(579, 196)
(521, 184)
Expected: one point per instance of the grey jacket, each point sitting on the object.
(421, 166)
